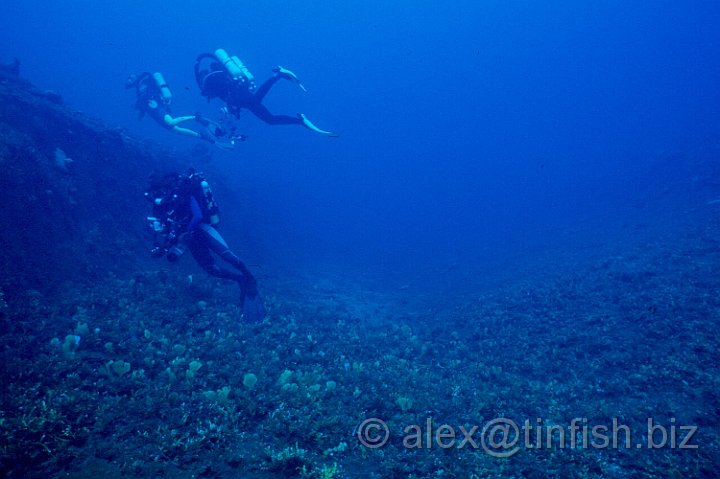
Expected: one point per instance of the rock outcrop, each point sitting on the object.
(72, 187)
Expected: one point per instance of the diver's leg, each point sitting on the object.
(216, 243)
(176, 121)
(199, 247)
(206, 134)
(281, 72)
(265, 87)
(260, 111)
(252, 304)
(278, 73)
(186, 132)
(173, 123)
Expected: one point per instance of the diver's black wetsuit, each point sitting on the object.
(202, 239)
(240, 94)
(244, 98)
(181, 210)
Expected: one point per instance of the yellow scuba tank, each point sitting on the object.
(229, 64)
(165, 92)
(234, 66)
(245, 70)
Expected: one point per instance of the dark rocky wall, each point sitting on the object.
(67, 221)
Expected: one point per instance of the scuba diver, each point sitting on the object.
(221, 76)
(153, 98)
(185, 216)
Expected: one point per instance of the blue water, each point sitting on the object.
(529, 188)
(469, 131)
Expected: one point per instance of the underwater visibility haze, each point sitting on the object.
(514, 235)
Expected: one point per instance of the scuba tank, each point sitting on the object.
(245, 70)
(234, 66)
(165, 92)
(211, 206)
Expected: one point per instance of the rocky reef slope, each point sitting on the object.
(71, 188)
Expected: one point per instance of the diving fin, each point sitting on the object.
(288, 75)
(309, 125)
(252, 305)
(253, 309)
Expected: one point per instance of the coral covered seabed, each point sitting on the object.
(115, 367)
(156, 375)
